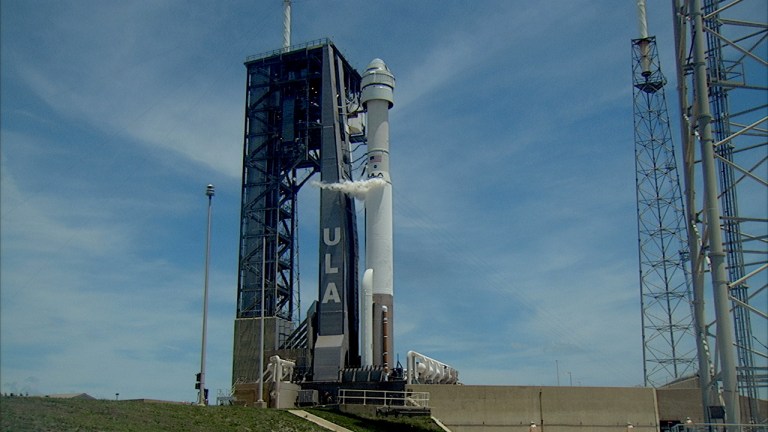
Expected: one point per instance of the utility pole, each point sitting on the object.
(202, 398)
(260, 402)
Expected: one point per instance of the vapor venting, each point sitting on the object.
(357, 189)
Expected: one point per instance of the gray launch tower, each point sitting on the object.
(298, 104)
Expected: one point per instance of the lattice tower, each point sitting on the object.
(669, 349)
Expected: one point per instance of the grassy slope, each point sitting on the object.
(20, 414)
(41, 414)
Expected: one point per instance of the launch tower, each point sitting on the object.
(298, 104)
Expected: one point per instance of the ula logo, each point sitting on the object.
(331, 293)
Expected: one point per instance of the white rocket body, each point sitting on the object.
(377, 97)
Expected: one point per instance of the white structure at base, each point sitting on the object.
(424, 370)
(281, 372)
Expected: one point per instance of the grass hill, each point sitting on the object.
(19, 414)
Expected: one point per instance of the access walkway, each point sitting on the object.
(319, 421)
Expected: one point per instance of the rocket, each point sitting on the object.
(377, 88)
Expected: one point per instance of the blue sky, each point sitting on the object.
(512, 166)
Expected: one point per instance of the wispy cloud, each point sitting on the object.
(88, 289)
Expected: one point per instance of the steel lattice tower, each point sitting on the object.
(721, 51)
(669, 349)
(296, 112)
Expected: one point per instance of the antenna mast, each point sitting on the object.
(669, 348)
(286, 24)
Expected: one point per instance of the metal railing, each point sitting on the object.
(310, 44)
(383, 398)
(719, 427)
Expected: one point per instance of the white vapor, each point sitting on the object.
(357, 189)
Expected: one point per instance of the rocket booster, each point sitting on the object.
(378, 85)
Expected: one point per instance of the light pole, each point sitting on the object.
(260, 402)
(202, 399)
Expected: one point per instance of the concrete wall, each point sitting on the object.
(554, 409)
(247, 335)
(762, 410)
(247, 394)
(245, 357)
(289, 393)
(677, 404)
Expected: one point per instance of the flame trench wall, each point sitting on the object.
(295, 126)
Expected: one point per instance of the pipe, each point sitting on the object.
(725, 345)
(366, 314)
(642, 21)
(260, 400)
(643, 43)
(385, 337)
(694, 240)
